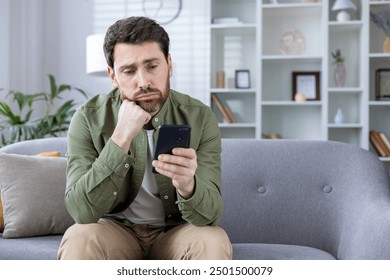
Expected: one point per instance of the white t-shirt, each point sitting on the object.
(147, 207)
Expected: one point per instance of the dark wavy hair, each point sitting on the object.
(134, 30)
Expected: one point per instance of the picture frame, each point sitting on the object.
(242, 79)
(382, 84)
(307, 83)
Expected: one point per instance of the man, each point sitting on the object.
(123, 210)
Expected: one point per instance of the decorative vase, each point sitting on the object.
(386, 45)
(339, 117)
(340, 74)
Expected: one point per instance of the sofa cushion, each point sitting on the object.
(30, 248)
(32, 190)
(278, 252)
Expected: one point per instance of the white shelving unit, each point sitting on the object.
(268, 107)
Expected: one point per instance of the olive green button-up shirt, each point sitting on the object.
(102, 180)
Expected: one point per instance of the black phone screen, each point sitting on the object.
(172, 136)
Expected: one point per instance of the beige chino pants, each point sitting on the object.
(109, 240)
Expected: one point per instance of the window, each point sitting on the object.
(188, 33)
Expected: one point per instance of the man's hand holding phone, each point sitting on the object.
(174, 159)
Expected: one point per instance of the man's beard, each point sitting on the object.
(153, 106)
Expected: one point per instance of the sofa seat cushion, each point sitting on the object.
(31, 248)
(251, 251)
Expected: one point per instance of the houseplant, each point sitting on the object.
(382, 20)
(340, 74)
(18, 124)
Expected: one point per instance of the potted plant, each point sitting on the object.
(340, 75)
(20, 126)
(382, 20)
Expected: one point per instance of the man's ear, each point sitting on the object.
(170, 65)
(111, 74)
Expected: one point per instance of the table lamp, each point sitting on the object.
(96, 62)
(342, 6)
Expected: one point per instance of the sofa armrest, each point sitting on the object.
(368, 236)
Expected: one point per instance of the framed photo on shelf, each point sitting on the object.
(243, 79)
(307, 83)
(382, 84)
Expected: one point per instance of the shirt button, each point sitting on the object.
(114, 193)
(156, 119)
(127, 165)
(166, 197)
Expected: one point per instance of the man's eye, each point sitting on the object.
(129, 72)
(152, 67)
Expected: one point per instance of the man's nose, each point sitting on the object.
(143, 81)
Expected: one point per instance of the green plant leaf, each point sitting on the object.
(28, 115)
(19, 98)
(18, 126)
(62, 88)
(53, 87)
(6, 111)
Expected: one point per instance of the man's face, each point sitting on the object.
(141, 73)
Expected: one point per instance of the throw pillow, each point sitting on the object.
(32, 190)
(49, 154)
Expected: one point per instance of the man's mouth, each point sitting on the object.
(147, 96)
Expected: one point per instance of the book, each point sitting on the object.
(386, 142)
(230, 115)
(221, 108)
(378, 144)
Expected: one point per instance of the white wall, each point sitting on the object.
(4, 43)
(74, 24)
(44, 37)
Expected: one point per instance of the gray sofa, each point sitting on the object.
(283, 199)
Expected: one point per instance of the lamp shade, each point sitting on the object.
(96, 62)
(343, 5)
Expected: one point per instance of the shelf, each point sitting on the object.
(292, 6)
(232, 90)
(237, 125)
(379, 103)
(353, 25)
(345, 125)
(334, 91)
(374, 3)
(379, 55)
(280, 57)
(291, 103)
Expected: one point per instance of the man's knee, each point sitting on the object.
(102, 240)
(79, 242)
(192, 242)
(210, 242)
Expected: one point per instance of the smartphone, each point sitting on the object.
(171, 136)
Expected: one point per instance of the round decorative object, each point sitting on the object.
(292, 42)
(299, 97)
(162, 14)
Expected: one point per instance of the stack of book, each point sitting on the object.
(224, 110)
(380, 142)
